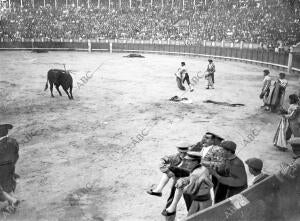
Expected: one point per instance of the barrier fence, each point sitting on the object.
(275, 198)
(238, 52)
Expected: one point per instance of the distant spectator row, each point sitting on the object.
(274, 26)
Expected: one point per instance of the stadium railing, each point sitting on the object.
(242, 52)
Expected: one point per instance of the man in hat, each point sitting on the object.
(210, 76)
(197, 185)
(255, 166)
(171, 166)
(9, 149)
(234, 177)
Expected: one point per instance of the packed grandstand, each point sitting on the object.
(273, 25)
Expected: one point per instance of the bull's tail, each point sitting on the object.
(46, 86)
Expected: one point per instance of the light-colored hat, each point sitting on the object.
(183, 147)
(193, 155)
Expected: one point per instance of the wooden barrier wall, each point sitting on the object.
(258, 56)
(275, 198)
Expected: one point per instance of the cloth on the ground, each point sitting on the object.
(177, 99)
(223, 103)
(180, 99)
(134, 56)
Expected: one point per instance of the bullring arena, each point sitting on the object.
(85, 159)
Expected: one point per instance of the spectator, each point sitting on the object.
(255, 167)
(272, 25)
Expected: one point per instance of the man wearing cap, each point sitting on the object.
(171, 166)
(197, 185)
(235, 177)
(210, 76)
(255, 166)
(9, 149)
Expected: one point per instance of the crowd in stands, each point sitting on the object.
(272, 25)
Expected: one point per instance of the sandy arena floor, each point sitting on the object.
(77, 158)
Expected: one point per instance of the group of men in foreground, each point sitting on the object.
(204, 174)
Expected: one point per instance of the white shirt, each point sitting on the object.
(181, 71)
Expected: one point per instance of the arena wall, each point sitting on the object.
(275, 198)
(233, 52)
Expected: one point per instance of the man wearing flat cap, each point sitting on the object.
(196, 187)
(235, 178)
(9, 149)
(171, 166)
(255, 166)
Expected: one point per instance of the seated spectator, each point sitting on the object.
(255, 167)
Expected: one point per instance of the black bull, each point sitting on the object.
(60, 77)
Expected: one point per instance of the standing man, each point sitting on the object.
(9, 149)
(183, 75)
(210, 76)
(277, 94)
(255, 166)
(266, 89)
(236, 177)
